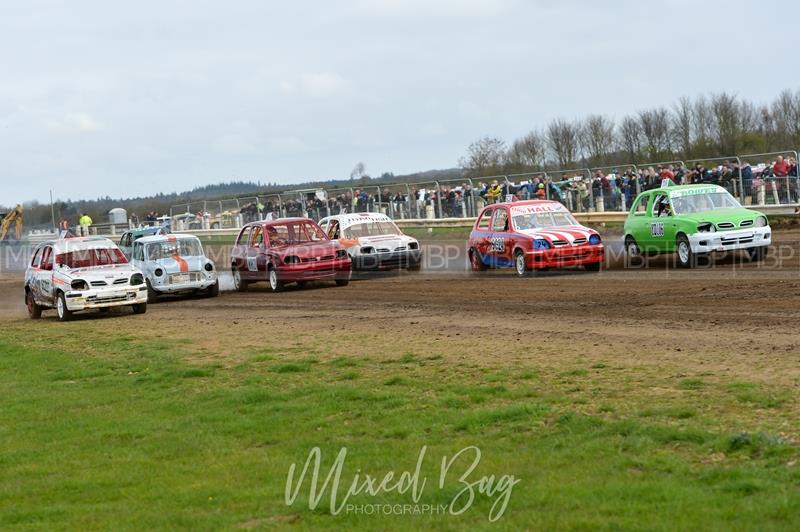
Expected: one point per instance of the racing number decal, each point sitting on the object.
(498, 244)
(657, 229)
(252, 265)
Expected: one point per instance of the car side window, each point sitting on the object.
(333, 230)
(257, 238)
(486, 217)
(244, 237)
(500, 220)
(660, 206)
(641, 207)
(37, 256)
(47, 258)
(138, 253)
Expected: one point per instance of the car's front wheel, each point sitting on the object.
(64, 314)
(152, 295)
(593, 266)
(275, 284)
(686, 258)
(520, 265)
(139, 308)
(239, 284)
(213, 290)
(34, 310)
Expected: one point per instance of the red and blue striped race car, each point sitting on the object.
(532, 235)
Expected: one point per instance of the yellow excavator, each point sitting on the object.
(7, 220)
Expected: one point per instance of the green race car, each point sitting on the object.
(694, 220)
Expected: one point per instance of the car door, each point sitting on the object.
(637, 224)
(501, 248)
(45, 277)
(239, 253)
(482, 235)
(660, 226)
(137, 257)
(255, 266)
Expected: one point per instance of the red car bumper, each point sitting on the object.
(565, 256)
(315, 271)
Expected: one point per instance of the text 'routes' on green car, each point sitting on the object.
(694, 220)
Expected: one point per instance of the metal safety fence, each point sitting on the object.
(754, 179)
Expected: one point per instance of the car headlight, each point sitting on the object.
(292, 259)
(541, 243)
(706, 227)
(761, 221)
(341, 253)
(79, 284)
(413, 245)
(137, 279)
(594, 239)
(158, 272)
(366, 250)
(209, 266)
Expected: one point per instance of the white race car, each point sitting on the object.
(373, 241)
(75, 274)
(174, 264)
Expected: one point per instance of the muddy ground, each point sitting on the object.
(734, 319)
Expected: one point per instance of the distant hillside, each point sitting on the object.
(38, 215)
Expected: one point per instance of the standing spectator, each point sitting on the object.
(747, 181)
(85, 222)
(780, 168)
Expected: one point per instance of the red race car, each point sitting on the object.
(532, 235)
(288, 250)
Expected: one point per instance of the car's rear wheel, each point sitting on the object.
(475, 261)
(139, 308)
(758, 254)
(239, 284)
(34, 310)
(631, 247)
(686, 258)
(520, 265)
(275, 284)
(64, 314)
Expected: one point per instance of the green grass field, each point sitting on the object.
(132, 433)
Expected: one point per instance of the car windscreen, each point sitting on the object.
(182, 247)
(371, 228)
(540, 220)
(87, 258)
(703, 202)
(294, 233)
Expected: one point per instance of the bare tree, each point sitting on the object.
(682, 126)
(629, 138)
(484, 156)
(563, 139)
(528, 152)
(726, 126)
(598, 138)
(702, 120)
(655, 131)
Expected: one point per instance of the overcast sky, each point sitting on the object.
(130, 98)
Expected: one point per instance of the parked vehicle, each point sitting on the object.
(694, 220)
(175, 264)
(77, 274)
(373, 241)
(532, 235)
(288, 250)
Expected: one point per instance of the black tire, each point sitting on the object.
(63, 313)
(758, 254)
(273, 281)
(213, 290)
(139, 308)
(415, 267)
(302, 284)
(686, 258)
(152, 295)
(593, 266)
(519, 264)
(34, 310)
(239, 284)
(342, 282)
(632, 247)
(475, 261)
